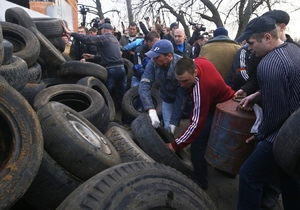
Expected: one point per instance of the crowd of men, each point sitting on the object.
(262, 65)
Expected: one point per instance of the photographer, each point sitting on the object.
(197, 28)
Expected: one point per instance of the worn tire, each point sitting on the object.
(74, 143)
(129, 72)
(19, 16)
(129, 101)
(34, 73)
(49, 82)
(138, 186)
(26, 45)
(153, 142)
(21, 145)
(49, 27)
(51, 185)
(8, 52)
(51, 56)
(286, 147)
(126, 147)
(15, 73)
(31, 90)
(2, 45)
(88, 102)
(58, 43)
(97, 85)
(79, 70)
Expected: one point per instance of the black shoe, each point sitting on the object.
(269, 202)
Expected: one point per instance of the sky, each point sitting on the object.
(291, 28)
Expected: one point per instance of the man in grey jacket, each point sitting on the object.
(161, 70)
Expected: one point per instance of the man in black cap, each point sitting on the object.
(278, 75)
(170, 35)
(111, 57)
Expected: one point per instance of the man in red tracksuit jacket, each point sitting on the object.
(207, 89)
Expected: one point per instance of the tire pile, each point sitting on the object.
(60, 147)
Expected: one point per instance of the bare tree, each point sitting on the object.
(129, 10)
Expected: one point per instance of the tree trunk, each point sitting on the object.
(129, 11)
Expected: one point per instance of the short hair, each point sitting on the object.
(151, 36)
(82, 27)
(185, 65)
(93, 29)
(133, 24)
(260, 36)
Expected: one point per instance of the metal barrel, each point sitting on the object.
(226, 148)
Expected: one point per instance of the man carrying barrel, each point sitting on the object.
(278, 76)
(207, 89)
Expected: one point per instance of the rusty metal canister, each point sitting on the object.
(227, 148)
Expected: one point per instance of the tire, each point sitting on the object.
(51, 185)
(82, 69)
(138, 186)
(74, 143)
(131, 102)
(153, 142)
(21, 145)
(128, 68)
(126, 147)
(1, 47)
(97, 85)
(88, 102)
(58, 43)
(25, 43)
(49, 27)
(286, 147)
(49, 82)
(34, 73)
(19, 16)
(8, 52)
(51, 56)
(31, 90)
(15, 73)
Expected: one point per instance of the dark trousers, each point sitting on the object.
(198, 148)
(254, 174)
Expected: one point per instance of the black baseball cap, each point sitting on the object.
(279, 16)
(257, 25)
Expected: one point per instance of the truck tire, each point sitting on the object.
(19, 16)
(49, 27)
(139, 186)
(88, 102)
(75, 143)
(153, 142)
(21, 145)
(8, 52)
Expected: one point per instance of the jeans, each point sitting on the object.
(198, 148)
(254, 174)
(116, 78)
(135, 81)
(167, 109)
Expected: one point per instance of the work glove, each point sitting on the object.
(171, 129)
(154, 118)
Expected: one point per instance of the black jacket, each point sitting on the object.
(187, 52)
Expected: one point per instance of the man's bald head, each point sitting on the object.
(179, 36)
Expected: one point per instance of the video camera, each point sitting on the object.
(96, 22)
(200, 27)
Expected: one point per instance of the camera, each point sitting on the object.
(200, 27)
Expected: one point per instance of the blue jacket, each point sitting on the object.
(169, 88)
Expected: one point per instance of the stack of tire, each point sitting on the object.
(57, 132)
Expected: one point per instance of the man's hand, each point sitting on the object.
(82, 60)
(250, 139)
(171, 129)
(240, 93)
(67, 31)
(154, 118)
(88, 56)
(171, 147)
(248, 102)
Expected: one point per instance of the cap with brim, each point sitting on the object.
(106, 26)
(257, 25)
(160, 47)
(279, 16)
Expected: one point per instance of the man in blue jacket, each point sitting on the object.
(161, 70)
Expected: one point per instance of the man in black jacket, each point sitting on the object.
(181, 46)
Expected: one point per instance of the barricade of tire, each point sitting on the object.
(69, 137)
